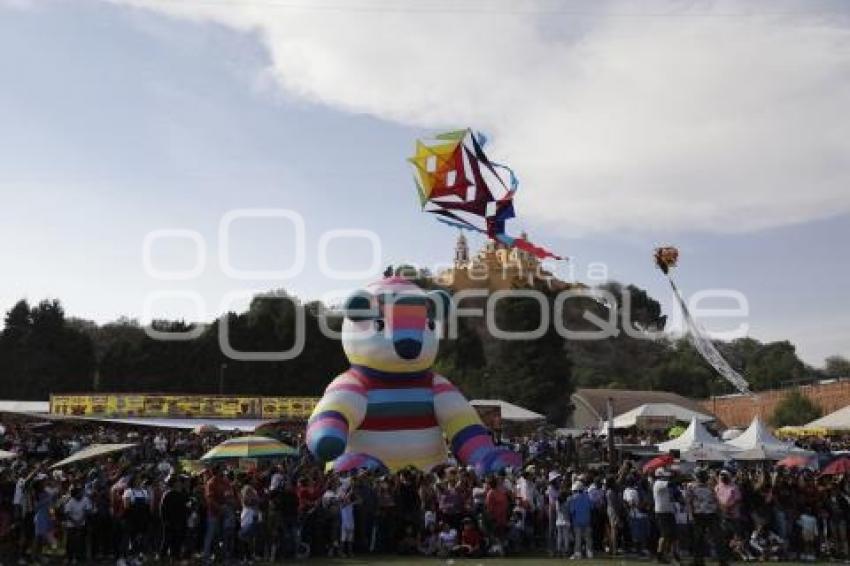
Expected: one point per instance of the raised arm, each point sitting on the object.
(470, 441)
(340, 410)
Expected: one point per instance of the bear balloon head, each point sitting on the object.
(392, 326)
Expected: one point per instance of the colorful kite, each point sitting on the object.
(667, 258)
(459, 183)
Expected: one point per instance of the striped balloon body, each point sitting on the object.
(389, 409)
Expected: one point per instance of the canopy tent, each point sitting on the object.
(757, 441)
(227, 425)
(731, 433)
(696, 443)
(647, 410)
(93, 451)
(25, 407)
(837, 420)
(510, 412)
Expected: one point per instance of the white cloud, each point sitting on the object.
(697, 119)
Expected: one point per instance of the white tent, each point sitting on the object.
(677, 412)
(731, 433)
(758, 440)
(510, 412)
(696, 443)
(838, 420)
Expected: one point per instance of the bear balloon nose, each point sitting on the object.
(408, 348)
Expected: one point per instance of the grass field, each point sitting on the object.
(517, 561)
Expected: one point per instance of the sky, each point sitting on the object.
(720, 127)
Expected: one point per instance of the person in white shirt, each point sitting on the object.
(446, 540)
(76, 511)
(526, 490)
(346, 523)
(664, 513)
(637, 517)
(160, 443)
(276, 480)
(809, 533)
(562, 525)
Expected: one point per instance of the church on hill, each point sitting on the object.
(496, 267)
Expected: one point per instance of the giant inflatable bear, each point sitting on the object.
(390, 410)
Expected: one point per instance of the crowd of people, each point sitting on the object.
(147, 503)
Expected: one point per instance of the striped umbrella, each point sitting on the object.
(249, 447)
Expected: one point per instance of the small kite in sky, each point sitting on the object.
(465, 189)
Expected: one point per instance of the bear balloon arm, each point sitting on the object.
(340, 411)
(470, 440)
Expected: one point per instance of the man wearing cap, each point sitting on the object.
(664, 517)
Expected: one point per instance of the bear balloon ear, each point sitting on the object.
(361, 305)
(439, 305)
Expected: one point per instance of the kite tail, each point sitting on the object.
(525, 245)
(706, 347)
(514, 181)
(462, 225)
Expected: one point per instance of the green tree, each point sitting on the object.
(793, 410)
(533, 373)
(837, 367)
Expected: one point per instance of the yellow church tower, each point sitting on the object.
(495, 267)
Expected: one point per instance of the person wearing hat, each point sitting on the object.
(580, 518)
(665, 520)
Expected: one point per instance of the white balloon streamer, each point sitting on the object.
(706, 347)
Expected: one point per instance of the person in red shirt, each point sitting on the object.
(497, 504)
(308, 495)
(470, 540)
(218, 493)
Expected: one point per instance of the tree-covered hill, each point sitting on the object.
(42, 351)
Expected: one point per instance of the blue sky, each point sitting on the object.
(627, 129)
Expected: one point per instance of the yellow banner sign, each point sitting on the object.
(119, 405)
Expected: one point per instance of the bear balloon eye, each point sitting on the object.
(379, 324)
(431, 325)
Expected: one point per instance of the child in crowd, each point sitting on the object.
(249, 527)
(766, 544)
(470, 540)
(809, 533)
(446, 540)
(562, 526)
(429, 540)
(346, 522)
(740, 549)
